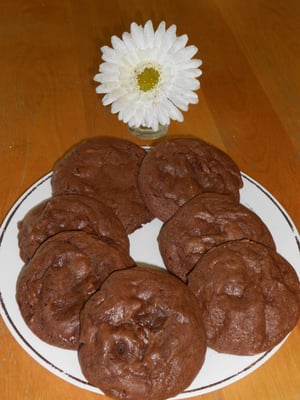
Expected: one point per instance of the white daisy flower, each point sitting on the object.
(149, 76)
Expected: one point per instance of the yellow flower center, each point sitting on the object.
(148, 79)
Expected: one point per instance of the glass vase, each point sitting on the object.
(144, 133)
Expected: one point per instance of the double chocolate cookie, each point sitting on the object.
(203, 222)
(105, 168)
(249, 295)
(63, 273)
(142, 335)
(69, 212)
(175, 170)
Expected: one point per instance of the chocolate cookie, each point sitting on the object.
(203, 222)
(54, 285)
(175, 170)
(106, 169)
(249, 294)
(142, 335)
(69, 212)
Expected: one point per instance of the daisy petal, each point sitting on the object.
(109, 54)
(179, 101)
(102, 89)
(163, 114)
(148, 34)
(97, 78)
(193, 63)
(119, 104)
(137, 34)
(112, 96)
(178, 44)
(118, 45)
(186, 53)
(108, 67)
(127, 113)
(192, 73)
(159, 34)
(169, 38)
(188, 83)
(174, 112)
(105, 77)
(131, 48)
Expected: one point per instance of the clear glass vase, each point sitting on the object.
(144, 133)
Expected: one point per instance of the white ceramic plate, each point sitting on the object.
(219, 370)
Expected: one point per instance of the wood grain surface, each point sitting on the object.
(249, 105)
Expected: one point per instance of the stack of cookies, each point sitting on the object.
(142, 332)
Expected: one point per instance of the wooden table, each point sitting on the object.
(249, 106)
